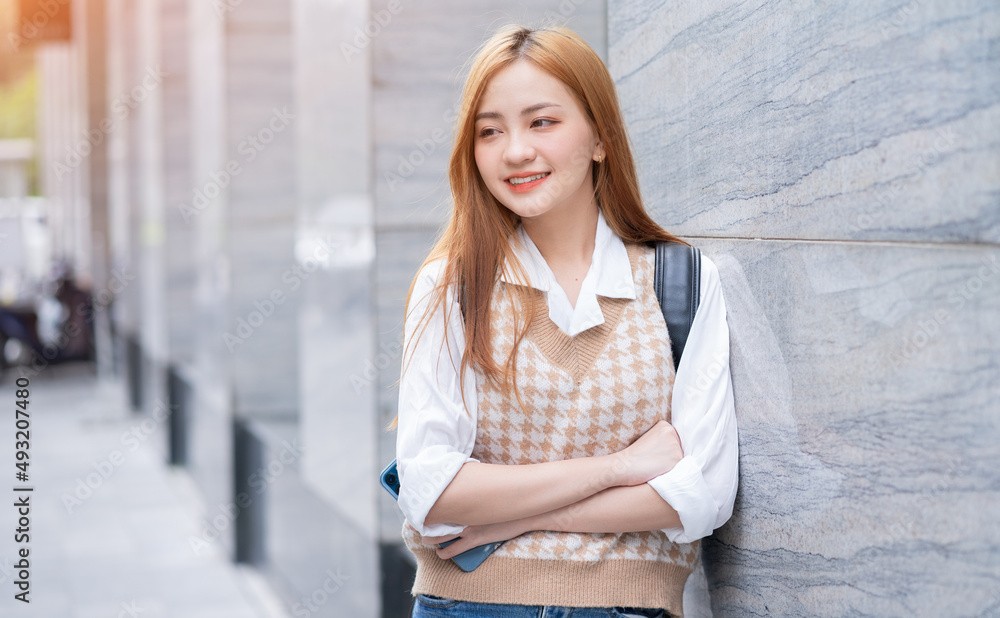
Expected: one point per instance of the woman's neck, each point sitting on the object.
(565, 239)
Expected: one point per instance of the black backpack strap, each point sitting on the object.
(677, 281)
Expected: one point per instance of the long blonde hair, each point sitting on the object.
(476, 242)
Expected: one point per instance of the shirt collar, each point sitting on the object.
(610, 264)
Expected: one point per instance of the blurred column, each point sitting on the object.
(148, 170)
(243, 206)
(180, 262)
(63, 149)
(335, 249)
(150, 185)
(261, 331)
(92, 247)
(261, 328)
(119, 242)
(170, 226)
(126, 196)
(210, 427)
(147, 93)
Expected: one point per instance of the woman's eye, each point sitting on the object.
(487, 132)
(543, 122)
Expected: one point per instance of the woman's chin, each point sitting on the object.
(525, 213)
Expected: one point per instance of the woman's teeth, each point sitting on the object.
(520, 181)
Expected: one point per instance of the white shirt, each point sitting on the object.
(436, 436)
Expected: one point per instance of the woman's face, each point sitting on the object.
(533, 144)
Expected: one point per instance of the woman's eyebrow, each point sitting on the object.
(524, 112)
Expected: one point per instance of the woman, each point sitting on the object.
(539, 403)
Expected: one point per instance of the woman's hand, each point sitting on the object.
(654, 453)
(474, 536)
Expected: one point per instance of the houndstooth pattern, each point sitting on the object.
(593, 394)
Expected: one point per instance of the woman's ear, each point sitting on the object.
(599, 152)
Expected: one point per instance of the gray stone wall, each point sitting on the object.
(838, 162)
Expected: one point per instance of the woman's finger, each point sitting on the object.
(452, 550)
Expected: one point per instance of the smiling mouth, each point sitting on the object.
(527, 179)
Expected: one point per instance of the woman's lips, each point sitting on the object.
(524, 187)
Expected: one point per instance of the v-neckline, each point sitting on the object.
(576, 355)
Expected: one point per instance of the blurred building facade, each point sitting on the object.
(257, 181)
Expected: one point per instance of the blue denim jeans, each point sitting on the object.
(425, 606)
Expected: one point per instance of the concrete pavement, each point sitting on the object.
(110, 522)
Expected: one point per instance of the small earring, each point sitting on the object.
(600, 158)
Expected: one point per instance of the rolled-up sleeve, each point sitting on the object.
(435, 434)
(702, 486)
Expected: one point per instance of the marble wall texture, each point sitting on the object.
(840, 163)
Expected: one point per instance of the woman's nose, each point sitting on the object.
(518, 149)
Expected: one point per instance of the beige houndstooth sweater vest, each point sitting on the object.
(592, 394)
